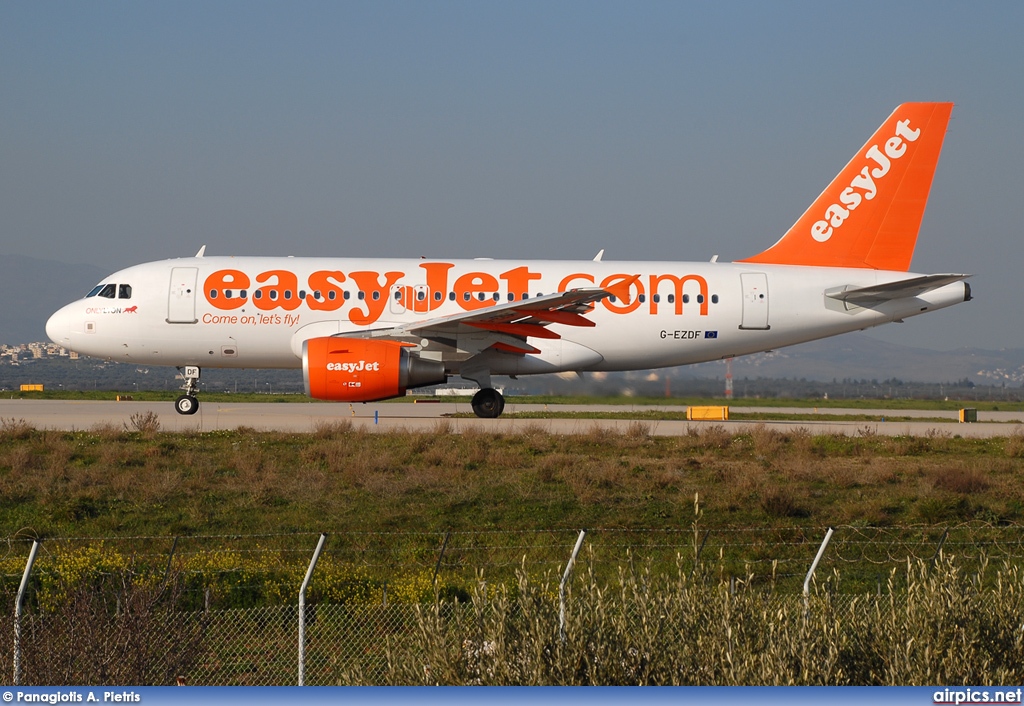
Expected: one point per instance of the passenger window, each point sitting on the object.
(124, 291)
(108, 291)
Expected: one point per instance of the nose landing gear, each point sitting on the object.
(187, 403)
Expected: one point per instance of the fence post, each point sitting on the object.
(437, 567)
(302, 608)
(170, 561)
(700, 550)
(17, 610)
(817, 558)
(938, 549)
(561, 586)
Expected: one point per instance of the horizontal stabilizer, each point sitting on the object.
(902, 289)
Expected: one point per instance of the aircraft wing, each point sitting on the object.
(901, 289)
(504, 326)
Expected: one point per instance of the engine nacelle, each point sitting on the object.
(362, 370)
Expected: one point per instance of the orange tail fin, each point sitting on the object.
(870, 214)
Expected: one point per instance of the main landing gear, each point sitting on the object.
(488, 403)
(187, 403)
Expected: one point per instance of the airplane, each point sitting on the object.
(369, 329)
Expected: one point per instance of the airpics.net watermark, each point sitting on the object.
(977, 696)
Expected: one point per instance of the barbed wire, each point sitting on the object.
(499, 550)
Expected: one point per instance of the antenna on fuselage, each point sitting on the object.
(202, 251)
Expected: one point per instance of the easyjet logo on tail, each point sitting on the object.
(863, 186)
(870, 214)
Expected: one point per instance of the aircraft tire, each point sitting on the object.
(186, 404)
(488, 403)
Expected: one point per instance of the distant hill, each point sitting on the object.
(32, 289)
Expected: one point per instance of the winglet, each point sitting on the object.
(870, 214)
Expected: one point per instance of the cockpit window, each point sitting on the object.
(108, 291)
(95, 291)
(124, 291)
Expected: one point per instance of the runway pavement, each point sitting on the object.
(307, 417)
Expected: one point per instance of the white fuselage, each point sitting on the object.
(251, 312)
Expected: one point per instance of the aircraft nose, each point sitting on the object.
(58, 327)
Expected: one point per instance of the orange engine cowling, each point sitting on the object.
(361, 370)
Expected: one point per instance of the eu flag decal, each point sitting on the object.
(711, 334)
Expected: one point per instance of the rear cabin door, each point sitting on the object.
(181, 300)
(755, 301)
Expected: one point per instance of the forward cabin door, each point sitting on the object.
(181, 300)
(755, 301)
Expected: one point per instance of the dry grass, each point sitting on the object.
(146, 423)
(331, 429)
(337, 478)
(930, 625)
(1014, 446)
(961, 480)
(12, 429)
(780, 503)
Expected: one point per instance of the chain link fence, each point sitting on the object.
(222, 610)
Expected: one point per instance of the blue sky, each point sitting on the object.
(656, 130)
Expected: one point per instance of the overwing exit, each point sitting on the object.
(369, 329)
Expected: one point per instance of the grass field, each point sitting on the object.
(948, 617)
(114, 482)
